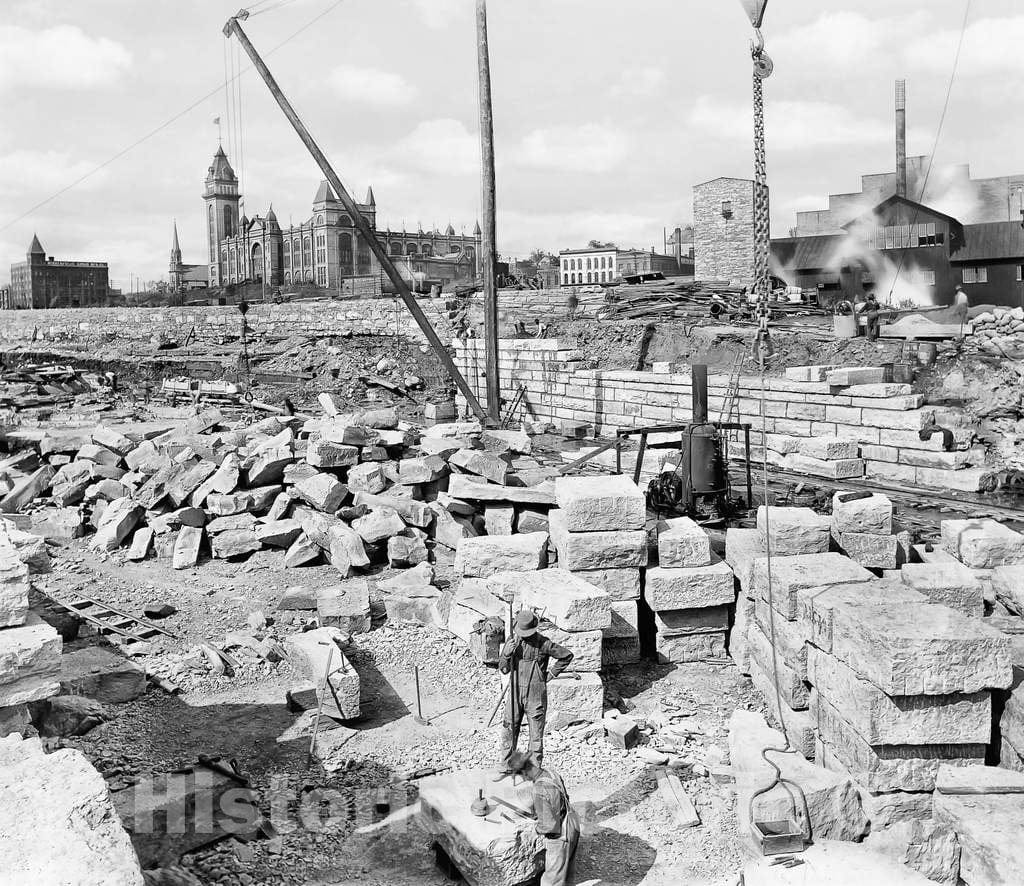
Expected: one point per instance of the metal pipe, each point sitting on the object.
(699, 393)
(901, 142)
(361, 225)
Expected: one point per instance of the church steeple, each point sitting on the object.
(176, 271)
(175, 247)
(36, 249)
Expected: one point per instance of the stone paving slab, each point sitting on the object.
(591, 504)
(789, 575)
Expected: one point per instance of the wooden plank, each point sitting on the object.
(673, 795)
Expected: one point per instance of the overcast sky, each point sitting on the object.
(606, 114)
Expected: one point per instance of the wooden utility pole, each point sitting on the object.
(489, 257)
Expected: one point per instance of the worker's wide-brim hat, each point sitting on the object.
(526, 623)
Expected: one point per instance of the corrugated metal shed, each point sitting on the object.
(991, 241)
(807, 253)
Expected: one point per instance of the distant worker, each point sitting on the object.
(870, 311)
(557, 821)
(524, 658)
(961, 308)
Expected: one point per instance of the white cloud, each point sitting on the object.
(442, 146)
(41, 172)
(991, 46)
(519, 232)
(590, 147)
(371, 85)
(62, 57)
(642, 82)
(438, 14)
(849, 37)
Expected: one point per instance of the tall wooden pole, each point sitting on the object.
(489, 258)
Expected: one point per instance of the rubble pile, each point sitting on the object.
(1000, 331)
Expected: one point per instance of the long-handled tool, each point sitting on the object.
(419, 718)
(320, 706)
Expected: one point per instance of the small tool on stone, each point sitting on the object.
(419, 718)
(320, 706)
(480, 807)
(516, 809)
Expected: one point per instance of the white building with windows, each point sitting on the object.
(578, 267)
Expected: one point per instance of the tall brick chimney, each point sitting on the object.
(901, 138)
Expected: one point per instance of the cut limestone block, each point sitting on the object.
(869, 550)
(621, 643)
(453, 429)
(808, 373)
(142, 541)
(302, 551)
(485, 555)
(900, 720)
(829, 448)
(14, 587)
(612, 549)
(619, 584)
(591, 504)
(788, 531)
(115, 526)
(794, 691)
(558, 596)
(379, 525)
(1008, 586)
(181, 487)
(837, 469)
(800, 725)
(278, 533)
(330, 454)
(234, 543)
(872, 514)
(403, 551)
(834, 864)
(570, 700)
(57, 523)
(855, 375)
(425, 469)
(949, 584)
(743, 619)
(789, 575)
(483, 464)
(507, 441)
(322, 491)
(921, 649)
(101, 674)
(471, 606)
(268, 466)
(345, 606)
(789, 636)
(742, 548)
(227, 524)
(684, 544)
(29, 662)
(487, 854)
(893, 807)
(499, 519)
(585, 647)
(887, 767)
(833, 800)
(367, 477)
(308, 652)
(683, 648)
(415, 513)
(186, 547)
(702, 586)
(62, 796)
(988, 829)
(982, 544)
(710, 619)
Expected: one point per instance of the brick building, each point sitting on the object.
(43, 282)
(723, 229)
(582, 267)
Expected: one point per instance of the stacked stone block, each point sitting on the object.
(598, 531)
(742, 548)
(862, 528)
(690, 592)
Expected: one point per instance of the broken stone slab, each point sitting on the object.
(426, 469)
(450, 529)
(829, 448)
(119, 519)
(419, 604)
(186, 547)
(701, 586)
(298, 471)
(485, 555)
(415, 513)
(591, 504)
(789, 637)
(684, 544)
(921, 649)
(443, 447)
(279, 509)
(982, 544)
(742, 548)
(483, 464)
(800, 725)
(561, 597)
(226, 505)
(453, 429)
(788, 531)
(472, 604)
(887, 767)
(893, 807)
(836, 469)
(869, 550)
(62, 796)
(606, 549)
(506, 441)
(420, 575)
(835, 864)
(380, 524)
(966, 780)
(278, 533)
(106, 489)
(113, 440)
(298, 597)
(327, 453)
(486, 854)
(142, 542)
(684, 648)
(235, 521)
(27, 490)
(499, 519)
(302, 551)
(872, 515)
(308, 652)
(57, 523)
(949, 584)
(234, 543)
(14, 587)
(345, 606)
(403, 551)
(184, 484)
(573, 701)
(790, 575)
(833, 800)
(1008, 585)
(899, 720)
(99, 454)
(621, 642)
(101, 674)
(470, 489)
(366, 477)
(988, 829)
(338, 540)
(621, 585)
(268, 466)
(322, 491)
(794, 690)
(29, 662)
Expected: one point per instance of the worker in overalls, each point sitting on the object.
(525, 657)
(557, 821)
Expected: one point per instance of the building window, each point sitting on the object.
(1020, 273)
(727, 209)
(320, 219)
(922, 277)
(345, 254)
(975, 275)
(565, 278)
(395, 249)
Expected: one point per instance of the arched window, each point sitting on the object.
(590, 277)
(320, 219)
(603, 276)
(395, 249)
(309, 276)
(229, 222)
(565, 279)
(287, 278)
(213, 233)
(345, 254)
(410, 249)
(344, 221)
(427, 250)
(470, 254)
(287, 247)
(256, 262)
(362, 255)
(307, 254)
(456, 249)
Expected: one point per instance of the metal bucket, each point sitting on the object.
(926, 353)
(844, 325)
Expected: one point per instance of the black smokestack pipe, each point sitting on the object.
(901, 138)
(699, 388)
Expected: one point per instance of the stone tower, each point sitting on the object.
(723, 230)
(221, 198)
(176, 271)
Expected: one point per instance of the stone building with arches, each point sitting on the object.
(326, 250)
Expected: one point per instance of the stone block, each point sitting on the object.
(118, 520)
(829, 448)
(506, 441)
(499, 519)
(592, 504)
(788, 531)
(794, 690)
(584, 645)
(425, 469)
(895, 807)
(621, 643)
(186, 547)
(870, 550)
(486, 555)
(57, 523)
(30, 657)
(743, 619)
(234, 543)
(1008, 586)
(14, 587)
(808, 373)
(790, 637)
(982, 544)
(223, 480)
(800, 725)
(833, 801)
(620, 584)
(684, 544)
(268, 467)
(887, 767)
(102, 675)
(471, 605)
(988, 830)
(899, 720)
(483, 464)
(838, 469)
(403, 551)
(142, 542)
(184, 483)
(302, 551)
(742, 548)
(228, 524)
(308, 653)
(790, 575)
(415, 513)
(684, 648)
(815, 605)
(855, 375)
(570, 700)
(453, 429)
(325, 453)
(439, 411)
(366, 477)
(948, 584)
(224, 505)
(321, 491)
(557, 595)
(379, 525)
(710, 619)
(872, 515)
(611, 549)
(345, 606)
(668, 589)
(278, 533)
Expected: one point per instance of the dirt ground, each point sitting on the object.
(630, 837)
